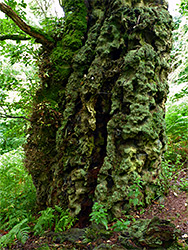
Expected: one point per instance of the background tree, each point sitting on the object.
(97, 125)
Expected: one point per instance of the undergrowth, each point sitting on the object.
(18, 217)
(175, 158)
(17, 192)
(177, 131)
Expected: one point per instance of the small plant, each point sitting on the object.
(170, 171)
(63, 219)
(184, 185)
(177, 129)
(162, 206)
(135, 193)
(19, 232)
(56, 218)
(45, 221)
(99, 215)
(121, 225)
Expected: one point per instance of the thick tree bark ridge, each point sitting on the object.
(98, 121)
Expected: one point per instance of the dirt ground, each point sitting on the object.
(174, 206)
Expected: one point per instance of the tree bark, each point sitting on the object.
(98, 129)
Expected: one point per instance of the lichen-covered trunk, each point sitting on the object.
(98, 129)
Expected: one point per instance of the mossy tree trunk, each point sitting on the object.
(98, 124)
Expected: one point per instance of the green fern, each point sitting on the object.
(99, 215)
(17, 191)
(58, 218)
(45, 221)
(63, 220)
(19, 232)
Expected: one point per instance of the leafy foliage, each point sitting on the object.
(56, 218)
(11, 134)
(121, 225)
(41, 8)
(177, 107)
(63, 219)
(19, 231)
(179, 58)
(45, 221)
(17, 192)
(99, 215)
(17, 203)
(184, 7)
(54, 26)
(170, 170)
(18, 6)
(177, 128)
(135, 194)
(17, 87)
(16, 51)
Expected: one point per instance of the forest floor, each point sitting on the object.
(173, 207)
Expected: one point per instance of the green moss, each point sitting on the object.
(75, 27)
(133, 143)
(40, 32)
(110, 93)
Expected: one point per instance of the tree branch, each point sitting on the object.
(14, 37)
(14, 117)
(38, 35)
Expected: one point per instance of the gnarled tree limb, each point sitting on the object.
(39, 36)
(13, 117)
(14, 37)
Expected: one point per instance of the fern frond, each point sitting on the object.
(17, 232)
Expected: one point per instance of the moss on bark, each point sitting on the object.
(108, 86)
